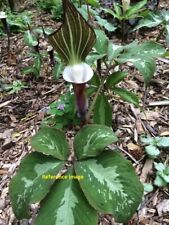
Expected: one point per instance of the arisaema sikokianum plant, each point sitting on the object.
(96, 180)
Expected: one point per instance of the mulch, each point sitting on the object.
(22, 113)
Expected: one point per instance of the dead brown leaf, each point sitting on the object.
(150, 115)
(135, 150)
(163, 207)
(165, 133)
(139, 127)
(147, 169)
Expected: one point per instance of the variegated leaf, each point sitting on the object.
(66, 205)
(75, 38)
(91, 140)
(51, 141)
(111, 185)
(29, 186)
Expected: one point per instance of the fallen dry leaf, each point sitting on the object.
(149, 115)
(147, 169)
(2, 172)
(163, 207)
(12, 61)
(132, 85)
(165, 133)
(139, 127)
(133, 147)
(135, 150)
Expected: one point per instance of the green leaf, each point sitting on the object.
(102, 111)
(29, 186)
(152, 151)
(135, 9)
(148, 187)
(101, 44)
(30, 39)
(94, 3)
(95, 81)
(165, 15)
(114, 51)
(142, 56)
(28, 70)
(42, 30)
(167, 39)
(115, 78)
(111, 185)
(93, 57)
(75, 38)
(91, 140)
(166, 54)
(83, 12)
(147, 140)
(146, 67)
(52, 142)
(159, 167)
(26, 18)
(162, 142)
(151, 49)
(126, 95)
(159, 181)
(109, 27)
(57, 70)
(117, 11)
(151, 20)
(90, 91)
(162, 175)
(104, 23)
(37, 64)
(66, 205)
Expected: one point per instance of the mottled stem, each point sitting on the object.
(81, 100)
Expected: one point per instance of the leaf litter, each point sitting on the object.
(21, 115)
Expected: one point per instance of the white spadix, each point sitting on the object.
(78, 73)
(3, 15)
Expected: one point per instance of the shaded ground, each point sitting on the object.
(21, 115)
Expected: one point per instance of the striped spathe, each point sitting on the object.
(75, 38)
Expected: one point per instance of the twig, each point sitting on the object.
(159, 103)
(145, 96)
(5, 103)
(127, 153)
(50, 91)
(164, 60)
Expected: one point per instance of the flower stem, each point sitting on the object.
(81, 101)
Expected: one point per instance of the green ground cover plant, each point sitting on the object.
(154, 147)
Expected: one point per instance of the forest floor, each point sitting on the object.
(22, 113)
